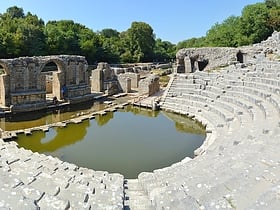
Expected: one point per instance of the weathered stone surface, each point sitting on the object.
(113, 80)
(210, 58)
(149, 85)
(237, 167)
(25, 82)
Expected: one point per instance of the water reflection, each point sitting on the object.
(141, 111)
(33, 119)
(185, 124)
(129, 141)
(104, 119)
(41, 141)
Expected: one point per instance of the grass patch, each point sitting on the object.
(163, 76)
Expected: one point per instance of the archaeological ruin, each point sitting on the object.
(234, 92)
(26, 85)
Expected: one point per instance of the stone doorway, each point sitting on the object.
(202, 64)
(240, 57)
(51, 71)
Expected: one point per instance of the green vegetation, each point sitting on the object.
(163, 76)
(27, 35)
(255, 24)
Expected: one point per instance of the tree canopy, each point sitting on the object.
(25, 34)
(255, 24)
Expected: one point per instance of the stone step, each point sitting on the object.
(135, 197)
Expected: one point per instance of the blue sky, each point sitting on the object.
(171, 20)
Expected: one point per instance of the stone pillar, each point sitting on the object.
(124, 83)
(180, 65)
(56, 86)
(195, 66)
(97, 80)
(188, 65)
(4, 90)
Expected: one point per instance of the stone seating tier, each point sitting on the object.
(50, 183)
(243, 151)
(237, 167)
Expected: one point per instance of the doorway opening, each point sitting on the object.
(50, 71)
(240, 57)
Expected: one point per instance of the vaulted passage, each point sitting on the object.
(50, 71)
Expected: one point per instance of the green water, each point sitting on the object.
(129, 141)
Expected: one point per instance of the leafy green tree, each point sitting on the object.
(109, 33)
(89, 43)
(20, 34)
(274, 14)
(253, 25)
(139, 42)
(15, 12)
(224, 34)
(190, 43)
(164, 51)
(63, 37)
(111, 45)
(272, 3)
(32, 29)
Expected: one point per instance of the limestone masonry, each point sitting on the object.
(235, 93)
(23, 82)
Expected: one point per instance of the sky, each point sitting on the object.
(171, 20)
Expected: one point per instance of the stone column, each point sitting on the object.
(57, 80)
(188, 65)
(97, 80)
(4, 90)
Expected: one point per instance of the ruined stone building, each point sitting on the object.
(26, 83)
(189, 60)
(112, 81)
(149, 85)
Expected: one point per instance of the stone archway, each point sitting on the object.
(53, 73)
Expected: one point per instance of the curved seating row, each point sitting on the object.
(34, 181)
(237, 167)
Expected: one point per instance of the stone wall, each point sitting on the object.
(125, 83)
(134, 77)
(202, 59)
(149, 85)
(113, 80)
(24, 85)
(198, 59)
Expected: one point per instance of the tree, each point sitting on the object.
(192, 42)
(63, 37)
(15, 12)
(272, 3)
(164, 51)
(253, 25)
(274, 14)
(224, 34)
(139, 42)
(20, 34)
(109, 33)
(111, 45)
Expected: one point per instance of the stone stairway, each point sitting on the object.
(135, 197)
